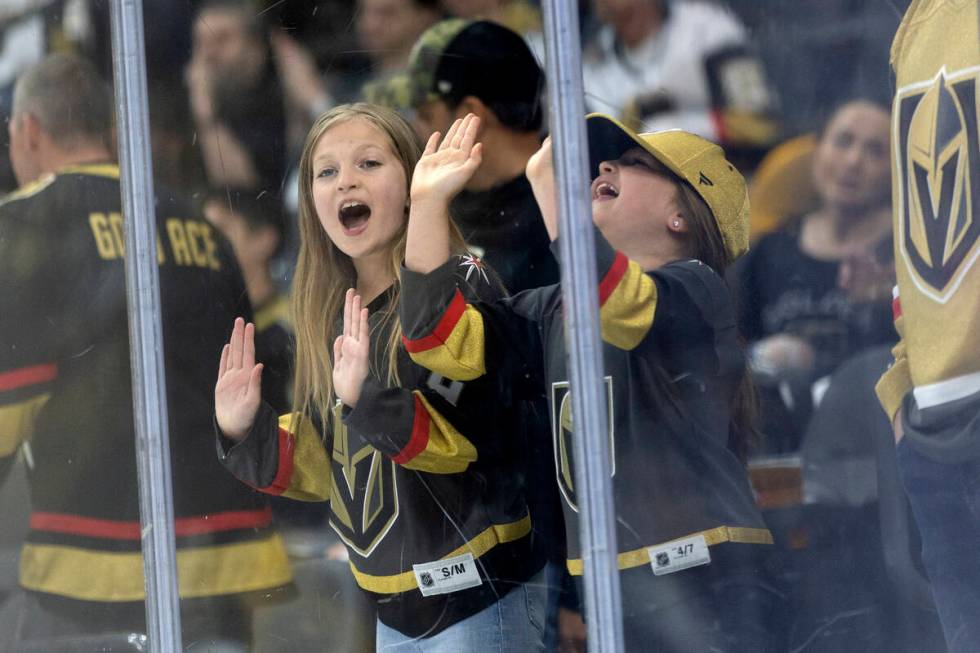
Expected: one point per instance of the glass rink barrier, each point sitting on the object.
(489, 325)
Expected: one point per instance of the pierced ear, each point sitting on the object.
(677, 224)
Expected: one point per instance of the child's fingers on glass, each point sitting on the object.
(355, 322)
(433, 143)
(348, 298)
(469, 136)
(450, 134)
(365, 327)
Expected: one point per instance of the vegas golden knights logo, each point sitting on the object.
(562, 429)
(938, 173)
(363, 496)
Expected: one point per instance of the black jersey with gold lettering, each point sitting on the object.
(66, 396)
(426, 480)
(672, 363)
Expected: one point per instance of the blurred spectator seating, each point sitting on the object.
(782, 185)
(236, 98)
(687, 64)
(816, 290)
(858, 585)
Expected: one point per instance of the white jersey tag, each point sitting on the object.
(449, 575)
(679, 554)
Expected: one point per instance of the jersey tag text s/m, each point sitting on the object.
(448, 575)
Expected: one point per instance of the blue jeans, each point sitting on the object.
(945, 500)
(514, 624)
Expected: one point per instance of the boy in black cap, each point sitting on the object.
(459, 67)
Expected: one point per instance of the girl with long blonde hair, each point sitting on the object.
(424, 475)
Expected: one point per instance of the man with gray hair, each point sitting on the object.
(65, 395)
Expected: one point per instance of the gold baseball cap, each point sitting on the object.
(699, 162)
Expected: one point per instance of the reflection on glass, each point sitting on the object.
(453, 432)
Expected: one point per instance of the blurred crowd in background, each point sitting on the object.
(797, 92)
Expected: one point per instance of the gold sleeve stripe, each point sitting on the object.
(628, 301)
(17, 422)
(109, 170)
(93, 575)
(479, 545)
(272, 312)
(436, 446)
(640, 557)
(304, 471)
(896, 382)
(454, 349)
(893, 385)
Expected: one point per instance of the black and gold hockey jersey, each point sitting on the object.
(65, 395)
(672, 363)
(936, 204)
(431, 470)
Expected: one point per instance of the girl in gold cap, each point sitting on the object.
(671, 213)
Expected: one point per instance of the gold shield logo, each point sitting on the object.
(938, 176)
(363, 493)
(562, 429)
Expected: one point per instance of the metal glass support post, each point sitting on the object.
(145, 330)
(580, 295)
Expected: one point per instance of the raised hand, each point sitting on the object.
(351, 351)
(446, 167)
(238, 392)
(199, 79)
(540, 173)
(439, 175)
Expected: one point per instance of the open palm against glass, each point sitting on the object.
(445, 167)
(443, 170)
(351, 350)
(238, 392)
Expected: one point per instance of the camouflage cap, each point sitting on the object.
(392, 92)
(423, 63)
(455, 58)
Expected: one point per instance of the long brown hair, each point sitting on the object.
(704, 243)
(324, 273)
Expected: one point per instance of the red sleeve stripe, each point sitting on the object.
(615, 274)
(284, 474)
(718, 121)
(231, 520)
(130, 530)
(896, 308)
(420, 435)
(27, 376)
(442, 331)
